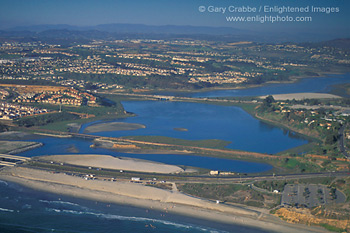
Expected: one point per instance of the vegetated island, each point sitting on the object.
(138, 193)
(112, 126)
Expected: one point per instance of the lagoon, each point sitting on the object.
(204, 121)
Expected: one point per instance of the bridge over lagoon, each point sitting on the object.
(11, 160)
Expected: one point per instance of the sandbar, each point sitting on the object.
(112, 126)
(110, 162)
(302, 96)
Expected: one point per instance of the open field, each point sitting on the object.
(34, 88)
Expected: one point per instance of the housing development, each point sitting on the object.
(178, 64)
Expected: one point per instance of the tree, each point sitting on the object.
(331, 139)
(267, 102)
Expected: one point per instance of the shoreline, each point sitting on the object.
(310, 138)
(149, 198)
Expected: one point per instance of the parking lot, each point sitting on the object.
(310, 195)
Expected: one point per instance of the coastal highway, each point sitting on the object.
(276, 177)
(179, 178)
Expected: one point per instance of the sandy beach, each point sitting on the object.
(139, 195)
(112, 126)
(110, 162)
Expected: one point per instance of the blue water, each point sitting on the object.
(54, 146)
(315, 85)
(23, 210)
(205, 121)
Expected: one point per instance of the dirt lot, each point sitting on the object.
(22, 89)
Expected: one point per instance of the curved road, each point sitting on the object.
(342, 141)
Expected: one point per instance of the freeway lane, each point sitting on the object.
(219, 180)
(187, 178)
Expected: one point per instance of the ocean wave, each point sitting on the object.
(6, 210)
(142, 219)
(3, 182)
(134, 219)
(164, 222)
(54, 210)
(60, 203)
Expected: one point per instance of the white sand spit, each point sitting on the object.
(301, 96)
(110, 162)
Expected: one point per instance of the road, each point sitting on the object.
(342, 141)
(219, 180)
